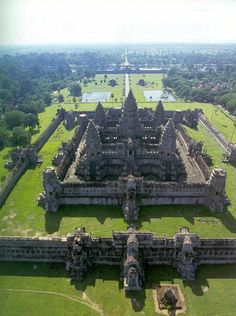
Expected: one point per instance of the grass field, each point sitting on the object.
(98, 85)
(213, 293)
(45, 290)
(153, 82)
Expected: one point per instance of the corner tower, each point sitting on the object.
(87, 164)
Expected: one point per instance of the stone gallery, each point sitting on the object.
(131, 250)
(132, 157)
(129, 157)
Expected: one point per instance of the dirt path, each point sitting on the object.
(86, 301)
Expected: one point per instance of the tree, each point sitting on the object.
(112, 82)
(47, 99)
(4, 137)
(141, 82)
(14, 118)
(76, 90)
(60, 98)
(31, 120)
(20, 137)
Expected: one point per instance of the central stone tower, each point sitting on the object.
(130, 125)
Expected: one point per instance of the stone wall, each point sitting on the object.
(43, 138)
(33, 249)
(72, 147)
(185, 251)
(24, 162)
(210, 193)
(148, 193)
(215, 133)
(203, 167)
(184, 138)
(11, 180)
(184, 135)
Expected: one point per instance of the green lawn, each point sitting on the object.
(153, 82)
(213, 293)
(98, 86)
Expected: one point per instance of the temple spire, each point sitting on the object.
(130, 125)
(168, 138)
(91, 142)
(99, 114)
(130, 102)
(159, 114)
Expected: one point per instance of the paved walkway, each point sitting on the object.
(126, 63)
(126, 84)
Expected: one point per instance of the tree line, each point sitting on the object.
(215, 85)
(26, 85)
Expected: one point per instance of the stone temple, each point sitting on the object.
(129, 157)
(132, 157)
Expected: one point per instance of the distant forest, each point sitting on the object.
(197, 73)
(27, 82)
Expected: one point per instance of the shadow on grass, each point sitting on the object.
(207, 272)
(154, 275)
(102, 212)
(188, 212)
(35, 269)
(137, 299)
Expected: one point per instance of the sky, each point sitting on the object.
(27, 22)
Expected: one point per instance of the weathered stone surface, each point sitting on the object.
(150, 148)
(131, 250)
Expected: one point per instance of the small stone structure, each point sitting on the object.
(132, 157)
(131, 250)
(28, 156)
(168, 299)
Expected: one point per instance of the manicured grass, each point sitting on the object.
(218, 118)
(101, 289)
(98, 86)
(153, 82)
